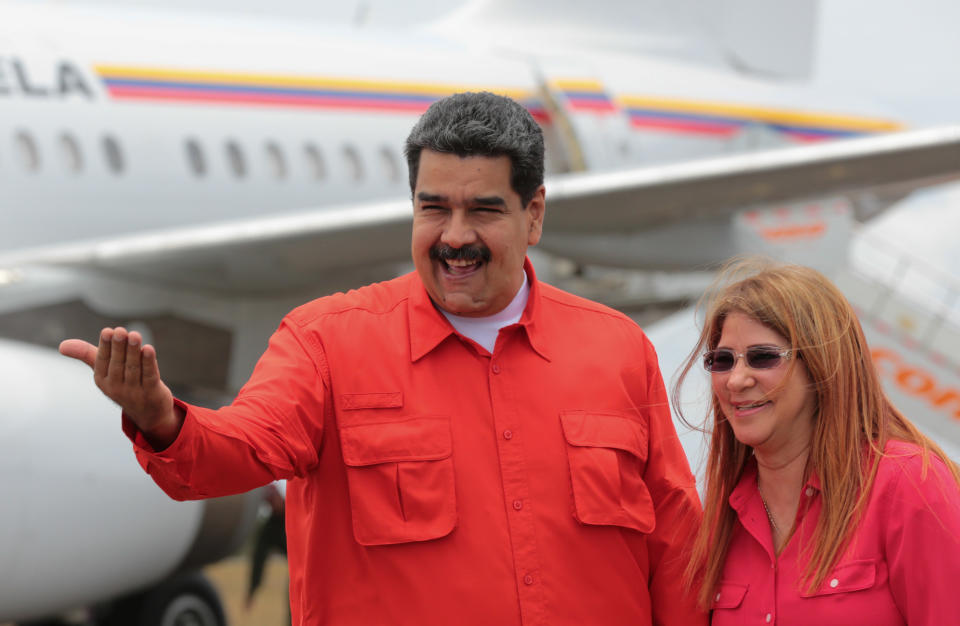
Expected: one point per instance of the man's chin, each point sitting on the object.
(462, 305)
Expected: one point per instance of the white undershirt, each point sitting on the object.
(484, 330)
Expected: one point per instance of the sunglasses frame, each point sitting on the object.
(783, 354)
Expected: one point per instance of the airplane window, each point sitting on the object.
(275, 160)
(70, 153)
(318, 169)
(238, 164)
(111, 151)
(390, 165)
(198, 165)
(354, 165)
(27, 151)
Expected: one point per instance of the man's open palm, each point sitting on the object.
(127, 372)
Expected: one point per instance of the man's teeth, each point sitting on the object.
(460, 263)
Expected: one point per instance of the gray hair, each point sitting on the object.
(481, 124)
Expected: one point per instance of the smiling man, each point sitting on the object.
(464, 444)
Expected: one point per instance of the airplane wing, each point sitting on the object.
(893, 163)
(289, 251)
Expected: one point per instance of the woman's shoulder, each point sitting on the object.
(903, 464)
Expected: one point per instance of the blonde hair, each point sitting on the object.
(854, 418)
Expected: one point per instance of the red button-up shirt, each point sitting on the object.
(902, 565)
(431, 482)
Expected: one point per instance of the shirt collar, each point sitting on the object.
(428, 327)
(747, 485)
(530, 320)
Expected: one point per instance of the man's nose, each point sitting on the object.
(459, 231)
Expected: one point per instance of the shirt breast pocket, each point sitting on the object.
(846, 578)
(400, 478)
(727, 601)
(607, 451)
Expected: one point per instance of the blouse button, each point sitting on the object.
(518, 504)
(834, 583)
(809, 492)
(769, 618)
(528, 579)
(508, 434)
(496, 368)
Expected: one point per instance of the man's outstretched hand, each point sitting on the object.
(126, 371)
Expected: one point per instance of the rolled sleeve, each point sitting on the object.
(271, 431)
(676, 502)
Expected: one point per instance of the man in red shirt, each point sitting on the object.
(463, 444)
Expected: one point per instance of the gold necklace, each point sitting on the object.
(773, 523)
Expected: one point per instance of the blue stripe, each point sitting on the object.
(739, 122)
(587, 95)
(280, 91)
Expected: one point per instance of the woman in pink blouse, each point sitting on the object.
(824, 504)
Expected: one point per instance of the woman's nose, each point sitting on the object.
(740, 376)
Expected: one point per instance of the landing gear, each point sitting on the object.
(186, 600)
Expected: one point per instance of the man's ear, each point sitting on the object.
(535, 210)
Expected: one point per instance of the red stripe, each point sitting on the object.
(187, 95)
(684, 126)
(807, 137)
(595, 106)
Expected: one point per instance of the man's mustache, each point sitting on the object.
(443, 252)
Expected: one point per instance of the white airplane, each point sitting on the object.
(196, 175)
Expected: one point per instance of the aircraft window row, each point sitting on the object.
(31, 156)
(28, 153)
(277, 164)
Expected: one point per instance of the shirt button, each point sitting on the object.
(716, 598)
(528, 580)
(834, 583)
(496, 368)
(518, 504)
(769, 618)
(809, 492)
(508, 434)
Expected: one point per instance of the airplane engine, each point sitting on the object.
(82, 522)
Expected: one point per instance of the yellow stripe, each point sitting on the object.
(574, 84)
(791, 117)
(294, 81)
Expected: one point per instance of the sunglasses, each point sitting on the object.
(757, 357)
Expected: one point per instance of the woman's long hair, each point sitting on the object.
(853, 420)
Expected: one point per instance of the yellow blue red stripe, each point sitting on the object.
(579, 96)
(721, 119)
(584, 95)
(138, 83)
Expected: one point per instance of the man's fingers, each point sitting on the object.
(80, 350)
(103, 353)
(150, 374)
(118, 355)
(131, 373)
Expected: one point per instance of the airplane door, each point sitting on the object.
(587, 130)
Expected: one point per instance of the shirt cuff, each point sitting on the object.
(140, 443)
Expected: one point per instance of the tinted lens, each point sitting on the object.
(763, 358)
(719, 360)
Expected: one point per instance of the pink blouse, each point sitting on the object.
(902, 565)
